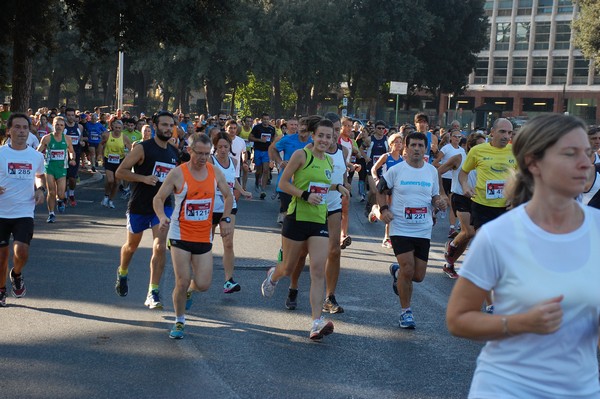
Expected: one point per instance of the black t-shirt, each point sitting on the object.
(259, 131)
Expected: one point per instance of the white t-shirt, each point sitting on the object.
(18, 169)
(412, 191)
(526, 265)
(449, 152)
(238, 146)
(334, 198)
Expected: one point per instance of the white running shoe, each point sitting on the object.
(268, 286)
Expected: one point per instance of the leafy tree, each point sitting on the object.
(587, 30)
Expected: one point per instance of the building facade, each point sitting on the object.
(530, 66)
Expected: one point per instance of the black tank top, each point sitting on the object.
(75, 134)
(158, 161)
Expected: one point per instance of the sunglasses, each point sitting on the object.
(380, 128)
(457, 136)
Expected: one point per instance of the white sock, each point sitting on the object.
(180, 319)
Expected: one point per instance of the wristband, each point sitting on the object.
(384, 208)
(337, 187)
(505, 330)
(305, 195)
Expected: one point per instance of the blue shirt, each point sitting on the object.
(95, 131)
(288, 145)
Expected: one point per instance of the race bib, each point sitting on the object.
(426, 158)
(94, 137)
(494, 189)
(375, 158)
(20, 170)
(114, 158)
(319, 188)
(57, 155)
(74, 139)
(266, 136)
(231, 186)
(353, 159)
(197, 210)
(161, 170)
(415, 215)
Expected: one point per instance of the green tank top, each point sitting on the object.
(313, 176)
(57, 154)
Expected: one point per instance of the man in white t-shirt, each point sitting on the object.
(414, 188)
(238, 146)
(22, 186)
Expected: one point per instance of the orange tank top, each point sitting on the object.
(194, 202)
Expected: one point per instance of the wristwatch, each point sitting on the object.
(226, 219)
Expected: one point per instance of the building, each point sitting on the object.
(530, 66)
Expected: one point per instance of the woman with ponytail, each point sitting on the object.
(541, 261)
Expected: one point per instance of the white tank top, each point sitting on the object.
(229, 173)
(456, 188)
(334, 198)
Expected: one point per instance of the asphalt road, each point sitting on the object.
(73, 337)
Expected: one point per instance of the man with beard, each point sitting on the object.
(151, 161)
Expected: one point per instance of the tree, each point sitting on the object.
(587, 30)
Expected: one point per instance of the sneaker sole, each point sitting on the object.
(175, 336)
(21, 295)
(334, 311)
(290, 306)
(408, 327)
(326, 330)
(237, 288)
(152, 307)
(451, 275)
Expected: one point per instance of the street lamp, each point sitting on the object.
(448, 109)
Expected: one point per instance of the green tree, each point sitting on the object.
(587, 30)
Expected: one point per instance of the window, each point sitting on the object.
(506, 103)
(519, 72)
(505, 7)
(538, 104)
(502, 35)
(538, 73)
(488, 29)
(500, 70)
(545, 6)
(524, 7)
(565, 6)
(522, 35)
(488, 7)
(581, 68)
(481, 71)
(542, 36)
(559, 70)
(563, 35)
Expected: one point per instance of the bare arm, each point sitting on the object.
(382, 159)
(464, 183)
(452, 164)
(274, 154)
(135, 157)
(173, 180)
(438, 158)
(224, 228)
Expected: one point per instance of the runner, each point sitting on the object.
(58, 154)
(94, 130)
(262, 135)
(115, 145)
(151, 161)
(190, 230)
(377, 147)
(414, 189)
(74, 130)
(541, 260)
(224, 161)
(22, 184)
(305, 224)
(245, 134)
(347, 141)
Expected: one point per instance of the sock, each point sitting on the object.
(451, 226)
(404, 310)
(121, 272)
(153, 287)
(50, 213)
(105, 196)
(71, 193)
(180, 319)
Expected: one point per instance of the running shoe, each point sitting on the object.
(407, 320)
(489, 309)
(449, 270)
(189, 300)
(346, 241)
(320, 328)
(372, 217)
(449, 252)
(72, 201)
(51, 218)
(177, 331)
(231, 286)
(18, 285)
(291, 300)
(263, 195)
(2, 298)
(121, 286)
(94, 169)
(362, 198)
(330, 305)
(153, 300)
(394, 267)
(268, 286)
(121, 188)
(61, 206)
(111, 204)
(386, 243)
(452, 232)
(105, 202)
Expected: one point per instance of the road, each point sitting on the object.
(73, 337)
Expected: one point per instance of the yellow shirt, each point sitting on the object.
(493, 165)
(245, 134)
(114, 149)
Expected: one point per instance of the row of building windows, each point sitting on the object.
(539, 70)
(522, 33)
(525, 7)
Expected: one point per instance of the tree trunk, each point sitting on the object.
(214, 95)
(141, 101)
(94, 80)
(276, 98)
(22, 63)
(81, 97)
(109, 91)
(54, 90)
(232, 104)
(165, 99)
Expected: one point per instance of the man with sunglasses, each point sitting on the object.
(146, 167)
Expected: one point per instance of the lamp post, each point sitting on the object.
(448, 109)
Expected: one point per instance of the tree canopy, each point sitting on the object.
(587, 30)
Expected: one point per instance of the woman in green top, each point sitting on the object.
(305, 225)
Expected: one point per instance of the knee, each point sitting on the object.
(21, 251)
(317, 271)
(417, 278)
(335, 252)
(202, 285)
(130, 247)
(406, 273)
(159, 247)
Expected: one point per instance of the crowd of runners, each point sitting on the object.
(183, 179)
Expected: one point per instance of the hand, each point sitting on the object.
(245, 167)
(150, 180)
(315, 199)
(164, 223)
(343, 190)
(2, 190)
(72, 162)
(357, 167)
(545, 317)
(386, 216)
(469, 193)
(283, 164)
(442, 203)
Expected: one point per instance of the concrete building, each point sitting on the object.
(530, 66)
